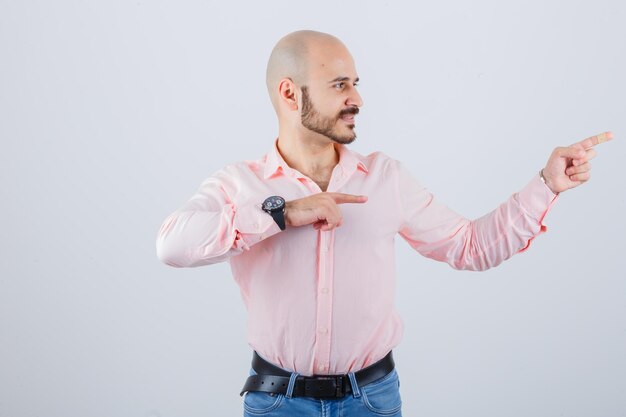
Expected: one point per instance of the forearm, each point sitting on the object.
(491, 239)
(190, 238)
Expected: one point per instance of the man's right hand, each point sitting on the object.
(321, 210)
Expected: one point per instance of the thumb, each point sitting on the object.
(571, 152)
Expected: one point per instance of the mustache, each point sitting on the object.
(349, 110)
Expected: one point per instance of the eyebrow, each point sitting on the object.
(344, 79)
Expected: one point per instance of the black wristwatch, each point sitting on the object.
(275, 207)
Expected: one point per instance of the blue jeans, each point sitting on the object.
(378, 398)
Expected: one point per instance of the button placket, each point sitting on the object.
(324, 303)
(336, 179)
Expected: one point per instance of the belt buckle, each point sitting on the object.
(330, 386)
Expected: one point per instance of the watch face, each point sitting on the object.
(273, 203)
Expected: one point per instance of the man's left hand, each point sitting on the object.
(568, 167)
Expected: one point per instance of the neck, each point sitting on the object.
(310, 153)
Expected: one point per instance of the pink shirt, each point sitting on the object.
(322, 302)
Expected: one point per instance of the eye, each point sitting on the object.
(339, 85)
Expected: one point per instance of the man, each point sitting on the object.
(309, 232)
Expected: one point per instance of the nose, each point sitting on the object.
(354, 98)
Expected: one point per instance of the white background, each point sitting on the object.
(113, 112)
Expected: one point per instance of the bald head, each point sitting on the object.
(291, 58)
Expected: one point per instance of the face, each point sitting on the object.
(330, 101)
(329, 126)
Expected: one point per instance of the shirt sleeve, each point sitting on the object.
(210, 228)
(439, 233)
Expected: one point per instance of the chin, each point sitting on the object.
(344, 140)
(350, 138)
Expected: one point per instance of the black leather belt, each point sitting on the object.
(271, 378)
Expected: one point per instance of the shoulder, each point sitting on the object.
(235, 174)
(242, 167)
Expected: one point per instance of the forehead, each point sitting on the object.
(328, 61)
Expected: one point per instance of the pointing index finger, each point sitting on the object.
(595, 140)
(348, 198)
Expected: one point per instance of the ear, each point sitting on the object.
(287, 93)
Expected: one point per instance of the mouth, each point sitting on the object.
(347, 115)
(348, 118)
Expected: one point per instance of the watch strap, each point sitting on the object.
(279, 218)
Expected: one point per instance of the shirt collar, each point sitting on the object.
(274, 162)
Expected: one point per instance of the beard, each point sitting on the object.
(327, 126)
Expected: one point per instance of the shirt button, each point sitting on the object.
(321, 367)
(323, 330)
(324, 290)
(256, 225)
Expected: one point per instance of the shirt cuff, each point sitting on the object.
(536, 199)
(253, 225)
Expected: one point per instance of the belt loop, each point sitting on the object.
(292, 383)
(356, 393)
